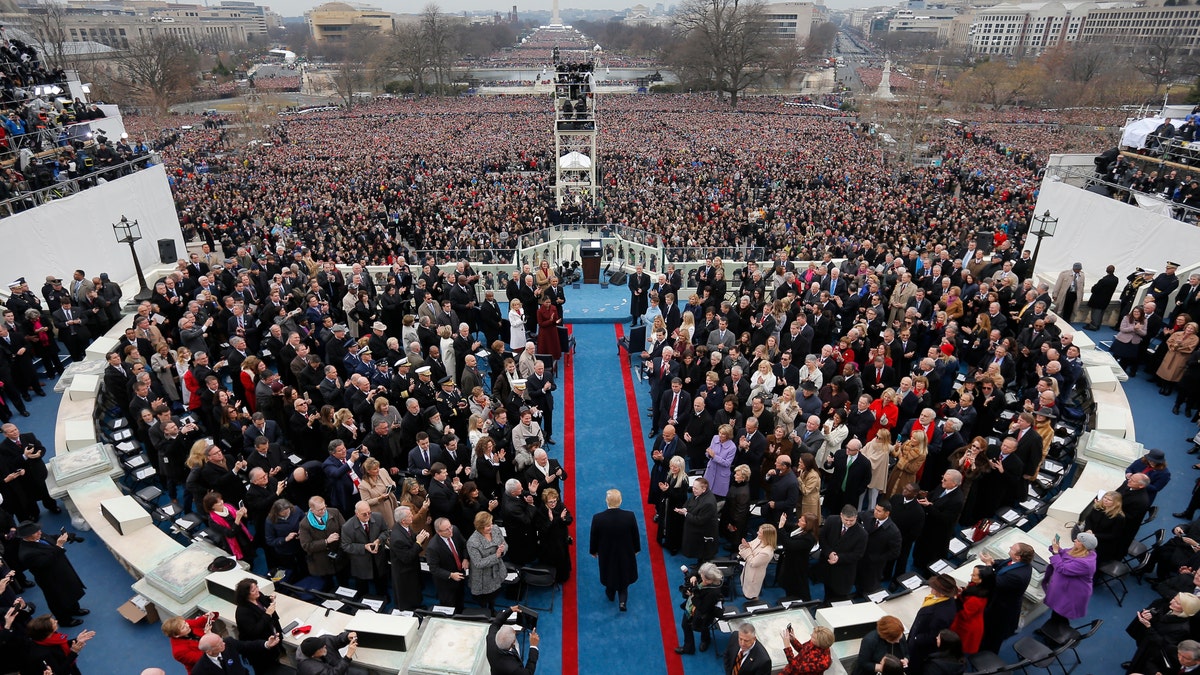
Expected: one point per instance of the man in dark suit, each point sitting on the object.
(503, 653)
(405, 547)
(909, 517)
(448, 563)
(798, 339)
(639, 286)
(1003, 610)
(491, 321)
(261, 426)
(783, 489)
(422, 458)
(223, 656)
(941, 517)
(851, 474)
(878, 376)
(883, 546)
(53, 572)
(675, 406)
(72, 330)
(1029, 445)
(364, 541)
(745, 655)
(751, 448)
(843, 544)
(615, 543)
(24, 453)
(661, 372)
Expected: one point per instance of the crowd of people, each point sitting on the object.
(342, 425)
(834, 397)
(666, 168)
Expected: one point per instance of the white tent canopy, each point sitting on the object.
(575, 161)
(1134, 134)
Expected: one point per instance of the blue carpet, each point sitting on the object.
(604, 459)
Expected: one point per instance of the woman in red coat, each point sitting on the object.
(548, 323)
(968, 623)
(185, 637)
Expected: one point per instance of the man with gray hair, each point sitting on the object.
(223, 656)
(503, 653)
(745, 655)
(942, 509)
(404, 546)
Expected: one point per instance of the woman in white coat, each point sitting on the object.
(516, 320)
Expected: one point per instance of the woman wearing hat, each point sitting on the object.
(1154, 465)
(937, 613)
(1158, 629)
(1068, 581)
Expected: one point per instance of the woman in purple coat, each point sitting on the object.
(1068, 581)
(720, 458)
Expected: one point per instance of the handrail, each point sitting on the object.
(70, 186)
(1089, 178)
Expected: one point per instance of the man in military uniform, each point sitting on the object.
(423, 388)
(1163, 286)
(455, 409)
(1139, 278)
(21, 299)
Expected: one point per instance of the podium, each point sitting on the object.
(590, 252)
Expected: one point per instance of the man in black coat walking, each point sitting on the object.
(615, 543)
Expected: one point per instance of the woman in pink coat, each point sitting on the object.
(756, 555)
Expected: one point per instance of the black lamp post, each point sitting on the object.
(131, 233)
(1045, 225)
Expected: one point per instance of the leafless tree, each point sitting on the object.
(736, 34)
(155, 70)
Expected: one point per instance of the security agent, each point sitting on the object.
(223, 656)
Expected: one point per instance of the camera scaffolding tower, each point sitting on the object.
(575, 131)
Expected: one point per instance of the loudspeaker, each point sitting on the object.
(166, 251)
(618, 278)
(985, 240)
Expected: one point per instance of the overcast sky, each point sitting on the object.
(298, 7)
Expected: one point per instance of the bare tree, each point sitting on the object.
(996, 83)
(155, 70)
(1161, 59)
(352, 61)
(48, 21)
(410, 55)
(440, 39)
(820, 40)
(736, 34)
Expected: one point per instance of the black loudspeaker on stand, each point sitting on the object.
(618, 278)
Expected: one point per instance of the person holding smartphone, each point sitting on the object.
(257, 619)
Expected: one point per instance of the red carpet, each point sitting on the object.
(662, 587)
(570, 618)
